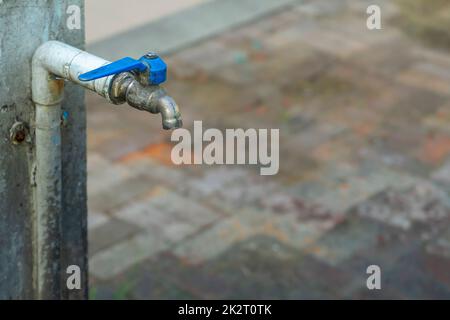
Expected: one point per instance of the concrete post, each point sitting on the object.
(24, 25)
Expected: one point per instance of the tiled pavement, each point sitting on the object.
(364, 168)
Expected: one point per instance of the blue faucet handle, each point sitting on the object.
(122, 65)
(156, 67)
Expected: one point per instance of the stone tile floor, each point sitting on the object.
(364, 175)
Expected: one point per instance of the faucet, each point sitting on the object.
(136, 82)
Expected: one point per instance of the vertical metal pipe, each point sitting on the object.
(48, 201)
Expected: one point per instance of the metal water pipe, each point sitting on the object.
(126, 80)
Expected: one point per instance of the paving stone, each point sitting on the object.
(419, 104)
(282, 40)
(440, 244)
(103, 178)
(426, 76)
(101, 290)
(320, 8)
(284, 203)
(437, 57)
(219, 238)
(156, 278)
(388, 8)
(96, 219)
(158, 173)
(385, 60)
(175, 217)
(404, 207)
(108, 234)
(434, 69)
(118, 258)
(389, 246)
(437, 267)
(442, 175)
(286, 227)
(314, 135)
(383, 294)
(343, 187)
(347, 239)
(129, 141)
(121, 193)
(210, 56)
(96, 161)
(332, 42)
(215, 180)
(150, 279)
(261, 267)
(228, 188)
(410, 278)
(355, 28)
(439, 121)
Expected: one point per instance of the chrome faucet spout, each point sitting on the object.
(170, 113)
(150, 98)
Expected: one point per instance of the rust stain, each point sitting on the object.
(315, 249)
(156, 192)
(323, 151)
(258, 56)
(271, 229)
(56, 87)
(286, 102)
(435, 149)
(20, 136)
(261, 110)
(364, 129)
(158, 151)
(344, 186)
(97, 138)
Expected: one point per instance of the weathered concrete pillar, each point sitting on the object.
(24, 25)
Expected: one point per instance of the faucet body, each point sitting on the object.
(52, 64)
(152, 98)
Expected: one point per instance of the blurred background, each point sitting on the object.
(364, 119)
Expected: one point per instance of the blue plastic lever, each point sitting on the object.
(156, 67)
(122, 65)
